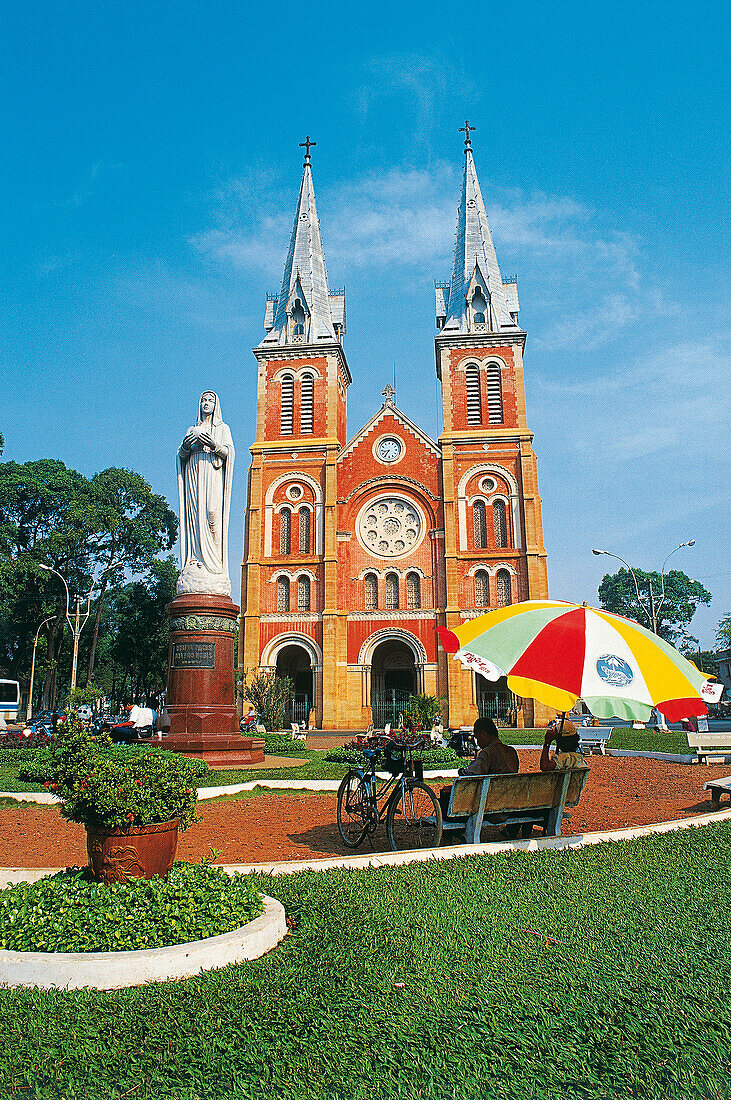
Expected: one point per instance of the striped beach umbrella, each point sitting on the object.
(559, 653)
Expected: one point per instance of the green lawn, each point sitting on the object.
(318, 768)
(598, 974)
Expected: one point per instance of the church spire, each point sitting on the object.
(305, 312)
(475, 299)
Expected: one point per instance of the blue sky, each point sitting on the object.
(151, 168)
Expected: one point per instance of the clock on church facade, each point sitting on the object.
(358, 548)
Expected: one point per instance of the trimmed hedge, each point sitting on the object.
(70, 912)
(38, 766)
(430, 757)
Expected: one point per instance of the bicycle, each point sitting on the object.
(411, 809)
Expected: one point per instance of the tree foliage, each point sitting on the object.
(95, 532)
(617, 594)
(269, 694)
(723, 632)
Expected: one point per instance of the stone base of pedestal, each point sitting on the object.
(218, 751)
(200, 687)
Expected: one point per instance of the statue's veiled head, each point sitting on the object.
(209, 406)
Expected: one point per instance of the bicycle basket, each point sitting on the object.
(394, 758)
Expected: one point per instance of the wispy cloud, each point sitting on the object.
(671, 402)
(585, 272)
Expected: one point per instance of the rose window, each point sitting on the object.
(390, 527)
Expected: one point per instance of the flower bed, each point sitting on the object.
(69, 911)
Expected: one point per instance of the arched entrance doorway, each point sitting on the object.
(393, 680)
(495, 700)
(294, 661)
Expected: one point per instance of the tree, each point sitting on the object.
(617, 593)
(723, 633)
(140, 646)
(269, 693)
(130, 525)
(44, 511)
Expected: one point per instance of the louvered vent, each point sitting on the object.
(494, 395)
(307, 406)
(287, 417)
(474, 401)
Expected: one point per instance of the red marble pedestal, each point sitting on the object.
(200, 689)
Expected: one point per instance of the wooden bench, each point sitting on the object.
(594, 737)
(534, 798)
(710, 743)
(717, 787)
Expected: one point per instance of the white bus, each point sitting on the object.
(9, 700)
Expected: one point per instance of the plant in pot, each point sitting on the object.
(132, 809)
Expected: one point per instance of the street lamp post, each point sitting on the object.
(78, 623)
(651, 611)
(29, 708)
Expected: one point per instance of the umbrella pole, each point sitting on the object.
(560, 728)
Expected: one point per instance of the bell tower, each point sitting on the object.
(289, 582)
(493, 532)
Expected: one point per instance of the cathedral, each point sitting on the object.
(357, 548)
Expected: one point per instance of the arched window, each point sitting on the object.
(304, 530)
(392, 591)
(500, 523)
(283, 594)
(494, 395)
(303, 594)
(482, 589)
(413, 591)
(504, 595)
(480, 522)
(479, 306)
(298, 318)
(307, 404)
(371, 592)
(287, 411)
(474, 400)
(285, 531)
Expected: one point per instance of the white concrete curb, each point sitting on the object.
(117, 969)
(396, 859)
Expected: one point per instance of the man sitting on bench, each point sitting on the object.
(567, 753)
(494, 758)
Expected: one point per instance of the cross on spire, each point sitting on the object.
(307, 145)
(389, 393)
(466, 131)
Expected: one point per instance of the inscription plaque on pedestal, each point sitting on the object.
(194, 655)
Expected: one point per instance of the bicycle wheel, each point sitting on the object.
(352, 809)
(414, 819)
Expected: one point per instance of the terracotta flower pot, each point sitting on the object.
(138, 851)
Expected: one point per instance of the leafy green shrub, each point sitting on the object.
(278, 744)
(70, 912)
(37, 765)
(429, 757)
(97, 788)
(269, 694)
(425, 710)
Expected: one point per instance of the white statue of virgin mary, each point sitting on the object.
(205, 470)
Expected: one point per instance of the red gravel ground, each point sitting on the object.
(620, 791)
